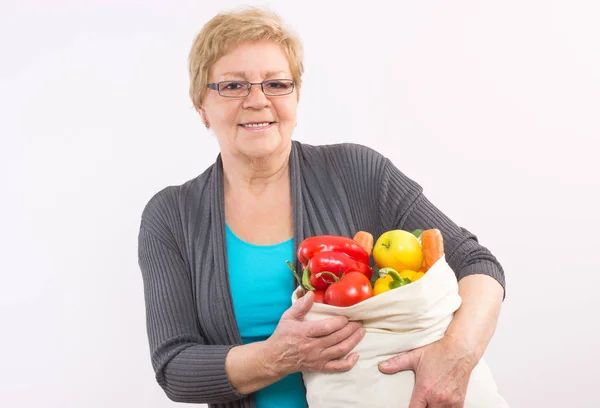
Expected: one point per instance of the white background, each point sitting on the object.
(493, 107)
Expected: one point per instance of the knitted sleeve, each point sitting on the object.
(402, 205)
(383, 198)
(186, 368)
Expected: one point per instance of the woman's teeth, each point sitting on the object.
(256, 125)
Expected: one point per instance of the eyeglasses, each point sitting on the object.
(241, 89)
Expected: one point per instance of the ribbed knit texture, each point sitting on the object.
(336, 189)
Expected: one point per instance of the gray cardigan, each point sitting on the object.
(336, 189)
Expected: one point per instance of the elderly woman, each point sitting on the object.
(213, 250)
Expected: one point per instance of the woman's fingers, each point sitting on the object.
(338, 350)
(325, 327)
(336, 337)
(339, 336)
(323, 345)
(341, 365)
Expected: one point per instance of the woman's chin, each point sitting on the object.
(260, 146)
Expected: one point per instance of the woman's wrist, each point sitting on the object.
(273, 361)
(466, 353)
(251, 367)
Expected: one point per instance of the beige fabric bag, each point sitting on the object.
(396, 321)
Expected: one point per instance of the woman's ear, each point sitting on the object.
(203, 117)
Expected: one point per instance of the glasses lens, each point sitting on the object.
(278, 87)
(233, 88)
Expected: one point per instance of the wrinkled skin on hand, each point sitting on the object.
(312, 346)
(442, 371)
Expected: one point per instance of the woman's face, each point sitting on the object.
(257, 125)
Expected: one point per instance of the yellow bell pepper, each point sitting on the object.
(417, 276)
(388, 279)
(408, 274)
(411, 275)
(382, 285)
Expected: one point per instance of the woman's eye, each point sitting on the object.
(232, 86)
(277, 85)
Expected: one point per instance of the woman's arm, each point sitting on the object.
(186, 368)
(189, 370)
(295, 345)
(443, 368)
(475, 321)
(403, 205)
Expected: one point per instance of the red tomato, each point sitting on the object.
(352, 288)
(319, 296)
(336, 263)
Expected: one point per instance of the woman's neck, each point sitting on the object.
(243, 174)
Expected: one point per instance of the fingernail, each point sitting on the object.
(384, 364)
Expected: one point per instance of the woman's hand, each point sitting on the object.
(442, 370)
(298, 345)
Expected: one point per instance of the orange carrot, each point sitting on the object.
(433, 247)
(365, 239)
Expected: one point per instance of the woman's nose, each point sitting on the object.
(256, 98)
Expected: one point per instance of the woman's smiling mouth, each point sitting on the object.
(257, 126)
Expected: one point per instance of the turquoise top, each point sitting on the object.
(261, 288)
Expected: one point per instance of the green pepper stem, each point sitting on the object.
(304, 282)
(397, 280)
(389, 271)
(306, 279)
(397, 283)
(336, 279)
(291, 265)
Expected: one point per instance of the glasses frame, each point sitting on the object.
(215, 86)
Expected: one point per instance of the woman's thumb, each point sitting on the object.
(401, 362)
(301, 306)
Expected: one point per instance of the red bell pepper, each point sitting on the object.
(331, 243)
(336, 254)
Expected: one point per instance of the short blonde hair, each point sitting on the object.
(227, 30)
